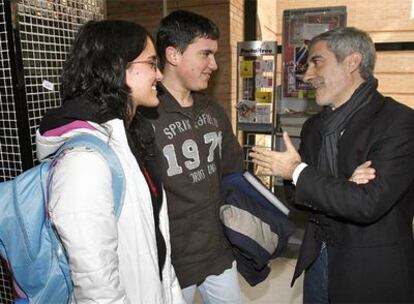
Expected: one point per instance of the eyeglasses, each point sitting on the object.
(152, 62)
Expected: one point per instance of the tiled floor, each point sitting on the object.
(276, 288)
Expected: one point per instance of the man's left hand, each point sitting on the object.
(277, 163)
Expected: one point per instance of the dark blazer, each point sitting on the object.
(368, 228)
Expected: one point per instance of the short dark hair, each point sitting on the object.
(181, 28)
(344, 41)
(95, 68)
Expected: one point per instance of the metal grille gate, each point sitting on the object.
(35, 37)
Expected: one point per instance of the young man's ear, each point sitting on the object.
(172, 55)
(354, 61)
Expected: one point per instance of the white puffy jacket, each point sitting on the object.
(112, 261)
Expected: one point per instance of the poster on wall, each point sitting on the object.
(299, 27)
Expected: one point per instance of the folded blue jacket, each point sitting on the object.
(256, 229)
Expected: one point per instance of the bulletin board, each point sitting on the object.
(299, 27)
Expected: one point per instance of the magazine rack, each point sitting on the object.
(256, 98)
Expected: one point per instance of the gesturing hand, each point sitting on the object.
(277, 163)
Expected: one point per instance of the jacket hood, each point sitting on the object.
(74, 117)
(71, 110)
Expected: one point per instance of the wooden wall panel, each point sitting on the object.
(146, 13)
(267, 23)
(236, 35)
(188, 4)
(396, 83)
(408, 100)
(395, 62)
(386, 21)
(395, 73)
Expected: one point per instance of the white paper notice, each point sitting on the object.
(48, 85)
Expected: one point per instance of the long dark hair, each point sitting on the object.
(95, 71)
(95, 68)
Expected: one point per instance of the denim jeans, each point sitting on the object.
(217, 289)
(315, 285)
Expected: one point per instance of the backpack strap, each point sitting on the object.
(98, 145)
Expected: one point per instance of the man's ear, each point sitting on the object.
(172, 55)
(354, 61)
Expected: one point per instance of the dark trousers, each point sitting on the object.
(315, 285)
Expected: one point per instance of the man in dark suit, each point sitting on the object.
(355, 173)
